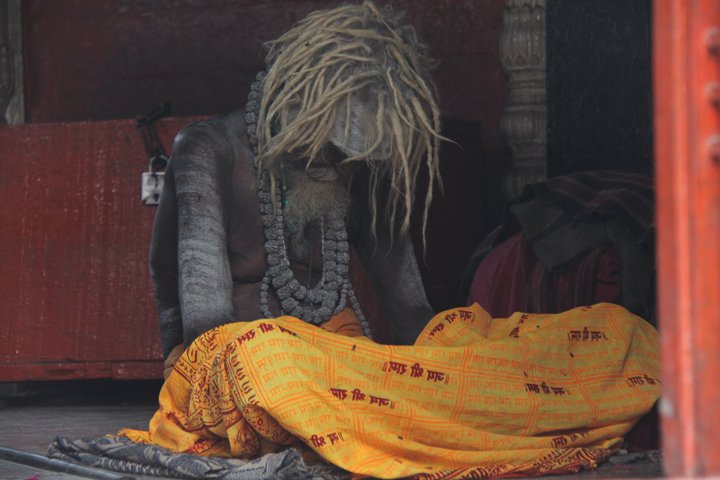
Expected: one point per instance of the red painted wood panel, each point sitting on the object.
(688, 221)
(75, 292)
(76, 299)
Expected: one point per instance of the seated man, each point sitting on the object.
(256, 221)
(260, 206)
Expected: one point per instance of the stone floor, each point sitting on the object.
(36, 413)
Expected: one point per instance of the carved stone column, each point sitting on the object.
(524, 122)
(12, 109)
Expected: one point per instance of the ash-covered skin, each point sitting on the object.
(207, 258)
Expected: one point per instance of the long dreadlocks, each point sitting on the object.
(358, 77)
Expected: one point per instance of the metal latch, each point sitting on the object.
(153, 180)
(152, 187)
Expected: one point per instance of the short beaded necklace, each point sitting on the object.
(317, 304)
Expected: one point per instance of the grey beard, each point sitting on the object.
(308, 202)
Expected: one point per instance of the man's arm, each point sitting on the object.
(396, 278)
(163, 266)
(392, 268)
(201, 170)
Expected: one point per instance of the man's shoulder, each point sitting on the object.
(221, 137)
(223, 127)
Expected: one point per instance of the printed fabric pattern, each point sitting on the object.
(475, 397)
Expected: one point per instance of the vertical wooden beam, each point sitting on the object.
(687, 148)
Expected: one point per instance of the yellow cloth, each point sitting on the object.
(475, 396)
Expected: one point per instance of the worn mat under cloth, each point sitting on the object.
(527, 395)
(120, 454)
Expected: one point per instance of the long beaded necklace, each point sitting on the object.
(330, 295)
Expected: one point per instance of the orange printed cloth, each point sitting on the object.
(474, 397)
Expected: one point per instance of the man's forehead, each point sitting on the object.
(355, 139)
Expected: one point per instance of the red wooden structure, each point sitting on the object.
(687, 131)
(76, 301)
(75, 293)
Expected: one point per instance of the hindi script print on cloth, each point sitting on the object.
(475, 396)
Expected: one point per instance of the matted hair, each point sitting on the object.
(361, 71)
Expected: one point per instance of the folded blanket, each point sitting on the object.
(527, 395)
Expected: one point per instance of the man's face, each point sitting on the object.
(327, 166)
(314, 191)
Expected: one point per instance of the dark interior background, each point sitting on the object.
(599, 86)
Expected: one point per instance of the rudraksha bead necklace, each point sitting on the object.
(330, 295)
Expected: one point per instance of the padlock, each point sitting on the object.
(151, 187)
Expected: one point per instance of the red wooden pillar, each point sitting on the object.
(687, 122)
